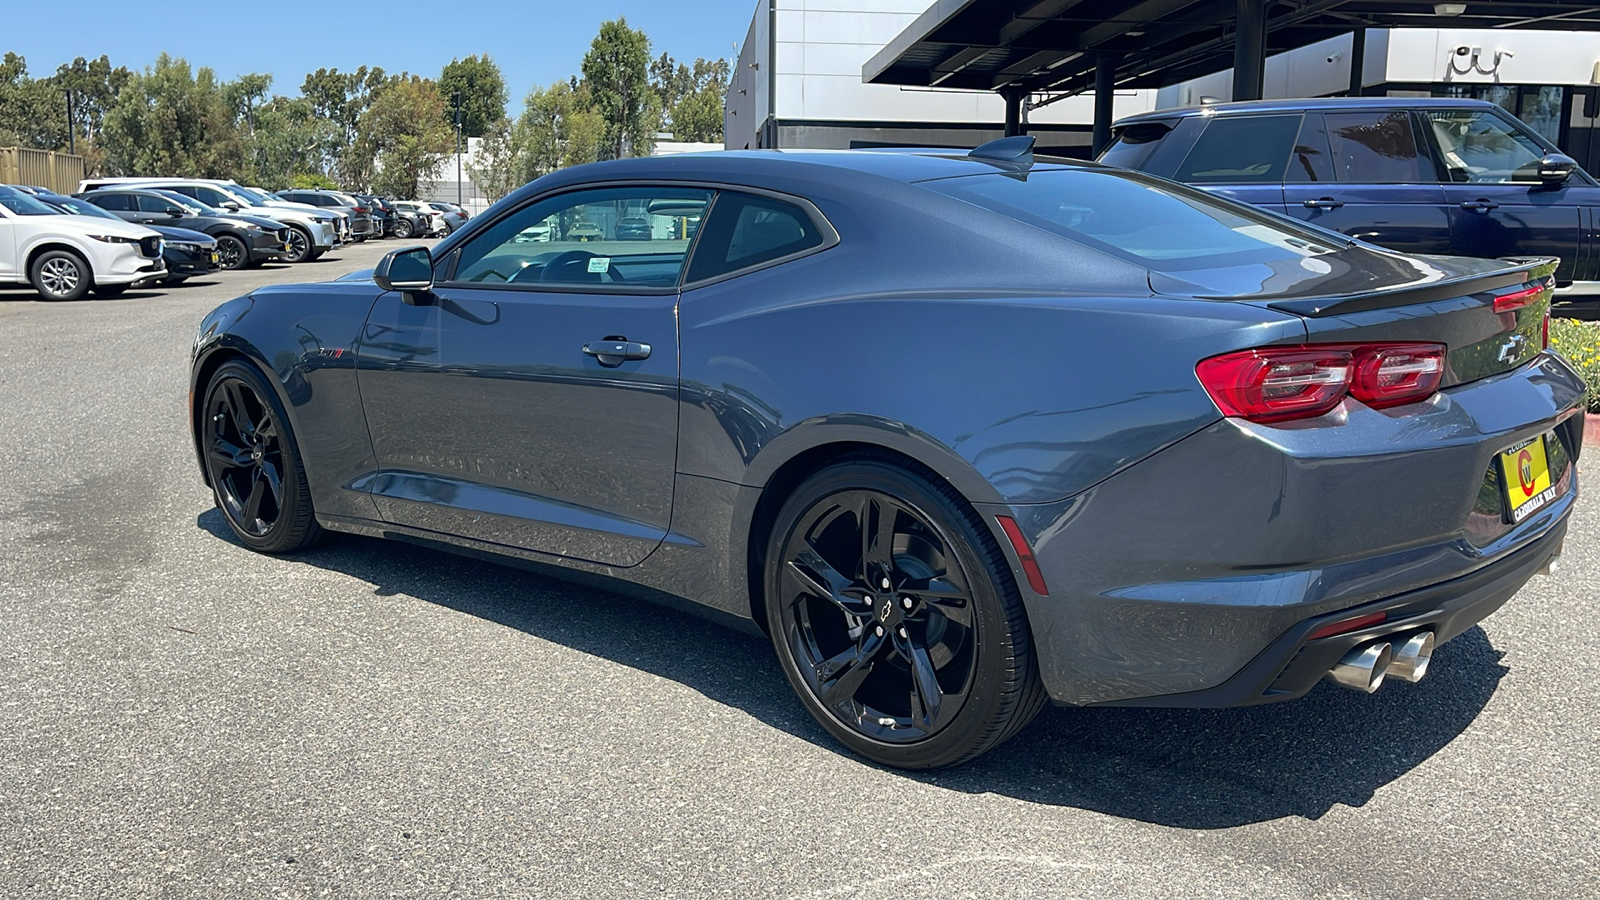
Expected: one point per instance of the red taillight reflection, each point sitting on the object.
(1347, 626)
(1276, 384)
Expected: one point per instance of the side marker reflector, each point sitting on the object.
(1030, 566)
(1347, 625)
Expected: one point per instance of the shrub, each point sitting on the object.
(312, 182)
(1579, 342)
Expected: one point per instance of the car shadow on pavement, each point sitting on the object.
(1182, 768)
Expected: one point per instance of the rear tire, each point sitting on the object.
(61, 275)
(253, 462)
(402, 229)
(935, 669)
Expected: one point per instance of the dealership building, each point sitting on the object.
(869, 73)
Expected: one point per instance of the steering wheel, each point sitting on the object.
(568, 268)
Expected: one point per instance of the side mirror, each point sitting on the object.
(1556, 168)
(409, 270)
(230, 206)
(174, 213)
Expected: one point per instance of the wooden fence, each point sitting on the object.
(59, 172)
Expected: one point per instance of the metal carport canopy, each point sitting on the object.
(1020, 47)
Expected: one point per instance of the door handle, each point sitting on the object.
(1480, 205)
(1324, 203)
(613, 352)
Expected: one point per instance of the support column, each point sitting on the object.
(1013, 113)
(1358, 60)
(1250, 50)
(1105, 85)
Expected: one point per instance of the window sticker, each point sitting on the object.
(599, 264)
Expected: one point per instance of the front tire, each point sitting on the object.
(61, 275)
(253, 462)
(895, 618)
(402, 229)
(232, 254)
(300, 245)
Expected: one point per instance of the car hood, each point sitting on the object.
(181, 234)
(358, 275)
(86, 225)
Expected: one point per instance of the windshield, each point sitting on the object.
(256, 197)
(24, 205)
(81, 207)
(1156, 223)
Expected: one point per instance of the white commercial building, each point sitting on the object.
(798, 84)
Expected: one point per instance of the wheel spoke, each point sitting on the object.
(274, 482)
(816, 577)
(926, 696)
(940, 593)
(839, 677)
(877, 519)
(236, 408)
(252, 506)
(226, 454)
(264, 429)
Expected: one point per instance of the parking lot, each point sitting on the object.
(183, 717)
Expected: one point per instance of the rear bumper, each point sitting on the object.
(1293, 664)
(1180, 573)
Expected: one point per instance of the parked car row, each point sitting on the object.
(116, 233)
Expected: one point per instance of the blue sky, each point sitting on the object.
(535, 42)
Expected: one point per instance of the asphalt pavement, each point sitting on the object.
(180, 717)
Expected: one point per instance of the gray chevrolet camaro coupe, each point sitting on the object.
(961, 432)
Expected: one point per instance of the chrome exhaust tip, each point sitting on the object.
(1363, 668)
(1410, 661)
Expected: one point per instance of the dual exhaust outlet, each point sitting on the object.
(1365, 667)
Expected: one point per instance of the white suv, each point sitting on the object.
(64, 257)
(312, 231)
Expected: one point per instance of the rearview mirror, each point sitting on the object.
(409, 269)
(1556, 168)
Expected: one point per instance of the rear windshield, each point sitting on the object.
(1150, 221)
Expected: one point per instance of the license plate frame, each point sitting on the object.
(1525, 479)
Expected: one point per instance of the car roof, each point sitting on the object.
(1306, 105)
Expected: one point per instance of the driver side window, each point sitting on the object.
(1479, 147)
(624, 236)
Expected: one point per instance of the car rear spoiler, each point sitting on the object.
(1521, 270)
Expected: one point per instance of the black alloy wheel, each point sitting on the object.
(895, 619)
(231, 252)
(299, 244)
(61, 275)
(253, 463)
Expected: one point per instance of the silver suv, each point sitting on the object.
(361, 221)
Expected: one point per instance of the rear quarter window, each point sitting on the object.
(1241, 149)
(1155, 223)
(1134, 144)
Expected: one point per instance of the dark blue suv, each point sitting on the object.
(1422, 175)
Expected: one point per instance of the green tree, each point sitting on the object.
(483, 93)
(616, 72)
(500, 162)
(342, 98)
(559, 127)
(290, 140)
(170, 120)
(698, 117)
(403, 132)
(243, 95)
(313, 182)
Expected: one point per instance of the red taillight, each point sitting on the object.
(1393, 374)
(1276, 384)
(1347, 626)
(1519, 298)
(359, 209)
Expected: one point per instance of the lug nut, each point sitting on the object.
(905, 602)
(886, 584)
(902, 631)
(878, 631)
